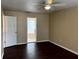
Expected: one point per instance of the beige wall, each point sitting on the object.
(63, 28)
(42, 25)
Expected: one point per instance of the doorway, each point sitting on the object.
(31, 29)
(10, 31)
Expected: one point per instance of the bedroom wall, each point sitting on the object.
(42, 25)
(63, 28)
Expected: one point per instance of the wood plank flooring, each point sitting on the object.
(42, 50)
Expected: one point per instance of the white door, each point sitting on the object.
(11, 36)
(31, 29)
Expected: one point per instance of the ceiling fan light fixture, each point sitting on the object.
(47, 7)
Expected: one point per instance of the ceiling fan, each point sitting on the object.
(48, 4)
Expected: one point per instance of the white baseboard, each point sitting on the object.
(21, 43)
(65, 48)
(32, 42)
(28, 42)
(39, 41)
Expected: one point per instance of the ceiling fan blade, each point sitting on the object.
(55, 2)
(58, 4)
(40, 4)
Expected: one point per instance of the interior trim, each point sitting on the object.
(28, 42)
(64, 48)
(32, 42)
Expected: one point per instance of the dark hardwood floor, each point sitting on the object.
(43, 50)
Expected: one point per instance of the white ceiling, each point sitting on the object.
(29, 5)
